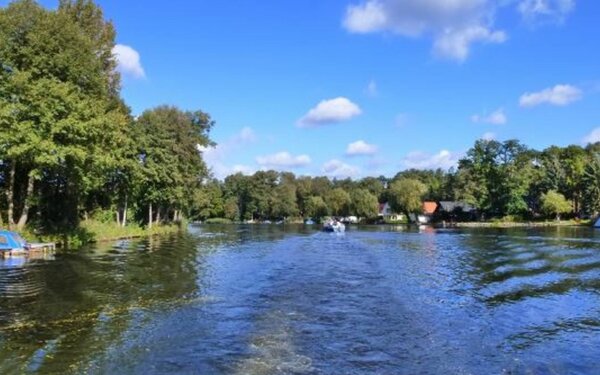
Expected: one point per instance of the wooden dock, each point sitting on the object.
(31, 249)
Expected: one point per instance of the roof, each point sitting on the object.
(429, 207)
(11, 240)
(451, 206)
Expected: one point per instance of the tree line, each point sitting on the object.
(69, 146)
(500, 179)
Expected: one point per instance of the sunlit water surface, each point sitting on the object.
(291, 300)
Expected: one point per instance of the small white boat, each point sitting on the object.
(334, 226)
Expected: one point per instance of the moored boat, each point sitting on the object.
(12, 244)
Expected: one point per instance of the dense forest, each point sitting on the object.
(500, 179)
(70, 150)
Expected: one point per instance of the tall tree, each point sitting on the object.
(364, 204)
(406, 195)
(338, 201)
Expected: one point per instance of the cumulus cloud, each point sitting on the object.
(337, 169)
(422, 160)
(593, 137)
(454, 24)
(545, 10)
(128, 61)
(329, 112)
(360, 148)
(559, 95)
(456, 44)
(283, 160)
(215, 157)
(498, 117)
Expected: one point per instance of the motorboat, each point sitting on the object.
(334, 226)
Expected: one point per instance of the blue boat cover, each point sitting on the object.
(11, 240)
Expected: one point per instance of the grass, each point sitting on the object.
(91, 231)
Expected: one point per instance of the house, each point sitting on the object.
(386, 213)
(428, 210)
(455, 211)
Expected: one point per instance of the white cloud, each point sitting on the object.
(215, 157)
(593, 137)
(489, 136)
(330, 111)
(422, 160)
(559, 95)
(372, 89)
(128, 61)
(545, 10)
(360, 148)
(454, 24)
(283, 160)
(498, 117)
(338, 169)
(243, 169)
(456, 44)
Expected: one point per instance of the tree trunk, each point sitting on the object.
(150, 216)
(26, 204)
(158, 215)
(118, 216)
(10, 186)
(124, 221)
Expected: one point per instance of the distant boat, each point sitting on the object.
(334, 226)
(597, 223)
(309, 222)
(12, 244)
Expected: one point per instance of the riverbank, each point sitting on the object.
(518, 224)
(92, 231)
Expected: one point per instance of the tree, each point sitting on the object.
(284, 204)
(406, 195)
(363, 203)
(172, 165)
(59, 111)
(338, 201)
(591, 184)
(554, 203)
(316, 207)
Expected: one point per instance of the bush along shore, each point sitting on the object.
(92, 231)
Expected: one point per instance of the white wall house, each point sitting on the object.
(386, 213)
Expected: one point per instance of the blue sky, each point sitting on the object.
(364, 87)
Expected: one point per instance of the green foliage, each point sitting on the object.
(218, 220)
(316, 208)
(363, 203)
(406, 195)
(338, 201)
(591, 186)
(554, 203)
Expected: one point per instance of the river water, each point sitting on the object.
(292, 300)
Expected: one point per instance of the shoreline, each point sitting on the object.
(508, 224)
(97, 232)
